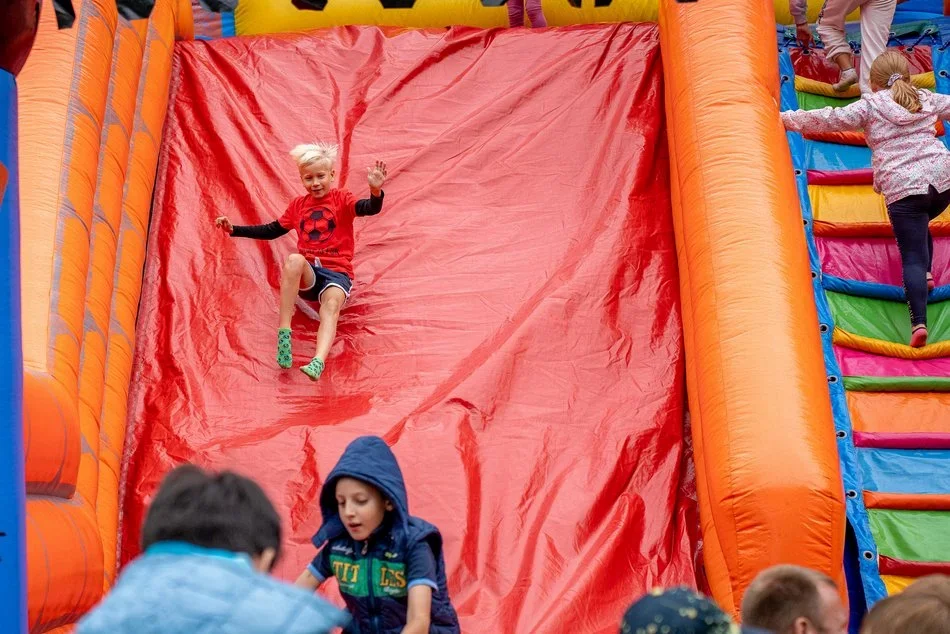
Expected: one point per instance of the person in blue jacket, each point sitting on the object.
(388, 564)
(209, 542)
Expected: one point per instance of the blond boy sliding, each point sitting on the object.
(322, 269)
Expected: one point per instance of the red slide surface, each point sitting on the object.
(514, 332)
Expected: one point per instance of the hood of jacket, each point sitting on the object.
(368, 459)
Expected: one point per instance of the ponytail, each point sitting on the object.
(906, 94)
(891, 71)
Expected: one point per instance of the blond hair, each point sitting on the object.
(892, 64)
(308, 153)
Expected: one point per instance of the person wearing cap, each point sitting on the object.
(679, 611)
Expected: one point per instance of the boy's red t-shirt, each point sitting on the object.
(324, 228)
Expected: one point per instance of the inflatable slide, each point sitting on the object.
(578, 240)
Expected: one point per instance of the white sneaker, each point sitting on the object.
(846, 79)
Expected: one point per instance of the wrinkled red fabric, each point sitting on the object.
(514, 331)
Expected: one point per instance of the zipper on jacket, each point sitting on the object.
(374, 618)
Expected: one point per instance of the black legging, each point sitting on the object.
(911, 218)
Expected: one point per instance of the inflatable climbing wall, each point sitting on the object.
(889, 400)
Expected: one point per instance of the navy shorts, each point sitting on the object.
(324, 279)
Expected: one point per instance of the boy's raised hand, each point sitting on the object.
(224, 223)
(376, 176)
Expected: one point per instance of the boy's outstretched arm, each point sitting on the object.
(851, 117)
(257, 232)
(270, 231)
(370, 206)
(316, 573)
(307, 581)
(419, 613)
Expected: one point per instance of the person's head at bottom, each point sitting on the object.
(790, 599)
(678, 611)
(363, 507)
(924, 608)
(220, 511)
(933, 585)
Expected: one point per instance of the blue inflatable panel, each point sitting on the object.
(904, 470)
(878, 291)
(12, 478)
(912, 10)
(929, 8)
(833, 157)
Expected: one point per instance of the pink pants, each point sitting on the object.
(516, 13)
(876, 17)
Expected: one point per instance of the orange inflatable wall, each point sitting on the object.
(91, 107)
(766, 461)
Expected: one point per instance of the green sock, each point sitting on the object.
(313, 369)
(284, 357)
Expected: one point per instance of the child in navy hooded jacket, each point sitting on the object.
(389, 565)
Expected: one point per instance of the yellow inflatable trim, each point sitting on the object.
(895, 584)
(254, 17)
(890, 349)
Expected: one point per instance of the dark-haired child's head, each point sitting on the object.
(362, 507)
(224, 511)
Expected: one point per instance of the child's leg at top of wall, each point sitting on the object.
(536, 14)
(830, 27)
(876, 18)
(515, 13)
